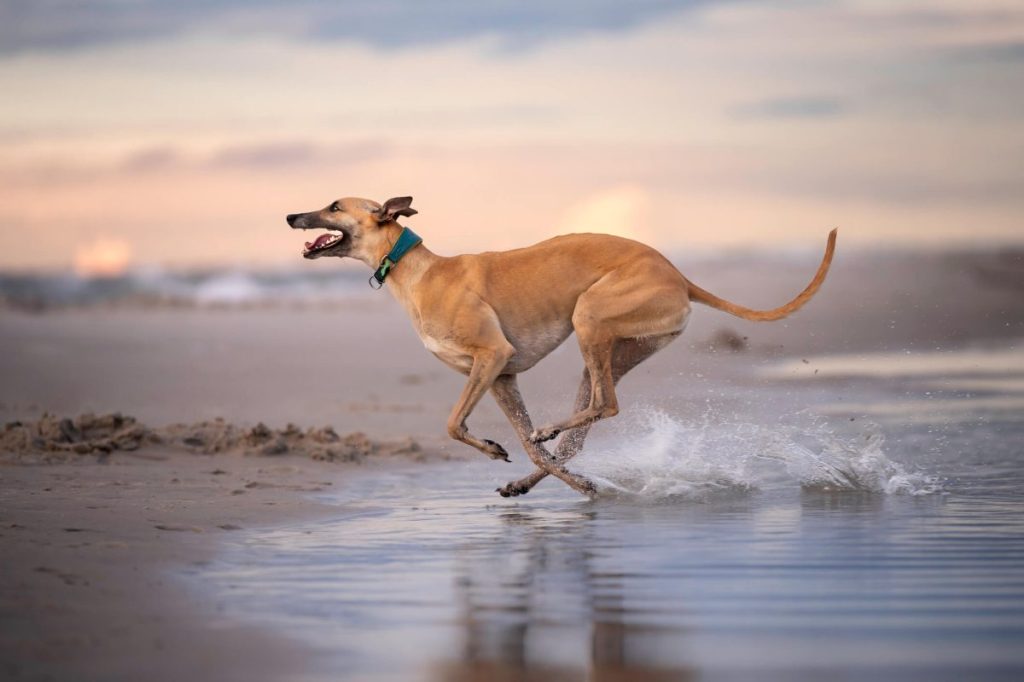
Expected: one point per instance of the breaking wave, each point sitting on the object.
(155, 286)
(656, 455)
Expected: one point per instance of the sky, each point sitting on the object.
(142, 133)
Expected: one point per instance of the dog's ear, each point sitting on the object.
(393, 208)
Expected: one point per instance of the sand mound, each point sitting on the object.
(53, 438)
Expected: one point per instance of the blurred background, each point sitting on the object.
(149, 152)
(141, 136)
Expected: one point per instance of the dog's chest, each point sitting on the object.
(448, 353)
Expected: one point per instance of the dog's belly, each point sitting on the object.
(534, 345)
(531, 347)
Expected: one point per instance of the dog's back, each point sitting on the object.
(551, 275)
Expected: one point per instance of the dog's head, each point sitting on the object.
(356, 228)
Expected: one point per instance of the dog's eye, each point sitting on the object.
(334, 207)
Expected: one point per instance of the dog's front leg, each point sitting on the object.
(506, 393)
(568, 447)
(487, 365)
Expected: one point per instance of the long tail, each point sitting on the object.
(707, 298)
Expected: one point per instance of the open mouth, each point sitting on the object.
(322, 243)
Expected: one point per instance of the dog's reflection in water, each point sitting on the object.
(542, 609)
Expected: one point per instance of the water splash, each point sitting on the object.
(656, 455)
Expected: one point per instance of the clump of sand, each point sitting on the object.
(86, 434)
(53, 438)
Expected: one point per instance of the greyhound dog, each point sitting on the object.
(493, 315)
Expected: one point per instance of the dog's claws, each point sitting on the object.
(500, 451)
(545, 434)
(512, 490)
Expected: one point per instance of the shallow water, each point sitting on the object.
(793, 545)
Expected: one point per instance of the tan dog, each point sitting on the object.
(493, 315)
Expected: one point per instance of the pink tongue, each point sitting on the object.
(320, 241)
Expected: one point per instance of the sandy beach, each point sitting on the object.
(105, 537)
(91, 553)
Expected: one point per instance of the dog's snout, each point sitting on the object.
(291, 218)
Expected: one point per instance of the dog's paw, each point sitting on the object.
(495, 451)
(588, 488)
(512, 489)
(544, 434)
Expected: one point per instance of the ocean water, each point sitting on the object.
(199, 287)
(835, 528)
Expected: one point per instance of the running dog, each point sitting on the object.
(494, 315)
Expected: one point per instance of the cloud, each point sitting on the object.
(274, 155)
(151, 159)
(1010, 52)
(68, 24)
(793, 108)
(264, 155)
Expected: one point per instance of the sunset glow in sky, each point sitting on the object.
(182, 133)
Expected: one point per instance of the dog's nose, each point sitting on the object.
(291, 218)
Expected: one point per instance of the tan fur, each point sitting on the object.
(493, 315)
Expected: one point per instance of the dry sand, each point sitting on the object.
(97, 514)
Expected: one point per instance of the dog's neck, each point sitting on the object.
(405, 275)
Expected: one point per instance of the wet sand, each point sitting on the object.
(97, 545)
(92, 558)
(101, 518)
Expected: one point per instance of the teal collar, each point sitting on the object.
(406, 241)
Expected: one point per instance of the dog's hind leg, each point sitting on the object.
(618, 307)
(627, 354)
(506, 393)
